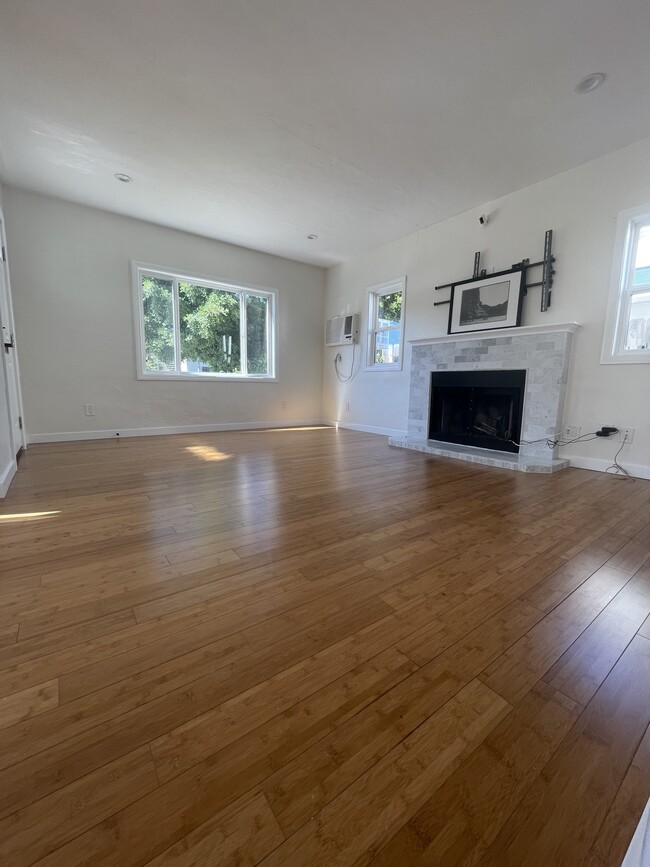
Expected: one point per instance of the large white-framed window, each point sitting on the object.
(627, 328)
(386, 307)
(190, 327)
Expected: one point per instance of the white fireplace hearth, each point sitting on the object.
(543, 351)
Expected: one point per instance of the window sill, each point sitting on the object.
(379, 368)
(193, 377)
(626, 359)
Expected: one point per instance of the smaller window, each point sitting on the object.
(386, 303)
(627, 332)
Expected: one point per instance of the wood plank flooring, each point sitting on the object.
(303, 647)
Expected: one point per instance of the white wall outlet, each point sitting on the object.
(571, 431)
(347, 406)
(89, 409)
(284, 406)
(625, 434)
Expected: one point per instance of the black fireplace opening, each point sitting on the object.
(480, 408)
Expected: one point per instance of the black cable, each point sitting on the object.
(580, 439)
(553, 440)
(585, 438)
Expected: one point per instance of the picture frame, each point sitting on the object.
(488, 303)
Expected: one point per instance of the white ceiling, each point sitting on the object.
(261, 121)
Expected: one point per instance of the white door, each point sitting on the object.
(8, 350)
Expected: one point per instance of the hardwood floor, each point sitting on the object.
(304, 647)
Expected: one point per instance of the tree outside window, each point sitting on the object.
(385, 325)
(195, 328)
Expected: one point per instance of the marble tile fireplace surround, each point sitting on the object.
(542, 351)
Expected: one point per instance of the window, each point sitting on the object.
(386, 303)
(190, 327)
(627, 332)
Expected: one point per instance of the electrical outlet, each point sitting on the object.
(571, 431)
(284, 406)
(347, 406)
(625, 434)
(89, 409)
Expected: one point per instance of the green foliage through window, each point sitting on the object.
(208, 324)
(389, 309)
(158, 314)
(386, 327)
(210, 329)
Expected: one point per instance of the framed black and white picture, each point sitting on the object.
(488, 303)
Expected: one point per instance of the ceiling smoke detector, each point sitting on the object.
(125, 179)
(590, 82)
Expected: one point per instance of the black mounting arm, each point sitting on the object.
(547, 273)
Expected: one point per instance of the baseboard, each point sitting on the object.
(6, 478)
(639, 471)
(599, 464)
(366, 428)
(71, 436)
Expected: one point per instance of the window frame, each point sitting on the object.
(140, 269)
(628, 226)
(373, 293)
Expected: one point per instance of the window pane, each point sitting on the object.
(389, 309)
(256, 337)
(158, 316)
(637, 335)
(642, 259)
(387, 346)
(209, 325)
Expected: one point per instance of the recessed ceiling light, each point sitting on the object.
(312, 237)
(125, 179)
(590, 82)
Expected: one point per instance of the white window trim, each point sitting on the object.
(372, 293)
(618, 304)
(175, 274)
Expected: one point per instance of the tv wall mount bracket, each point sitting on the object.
(546, 265)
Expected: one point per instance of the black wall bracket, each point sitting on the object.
(546, 282)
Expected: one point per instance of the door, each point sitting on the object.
(8, 350)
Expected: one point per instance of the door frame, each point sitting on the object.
(22, 443)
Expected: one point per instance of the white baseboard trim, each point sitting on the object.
(599, 464)
(366, 428)
(640, 471)
(72, 436)
(6, 478)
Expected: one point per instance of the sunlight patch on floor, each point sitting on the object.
(284, 429)
(27, 516)
(207, 453)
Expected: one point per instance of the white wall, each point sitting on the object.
(71, 280)
(581, 206)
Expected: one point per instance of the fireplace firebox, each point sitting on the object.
(480, 408)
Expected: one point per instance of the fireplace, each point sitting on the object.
(538, 355)
(481, 408)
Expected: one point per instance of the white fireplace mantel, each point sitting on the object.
(571, 327)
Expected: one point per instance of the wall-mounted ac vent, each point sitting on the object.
(342, 329)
